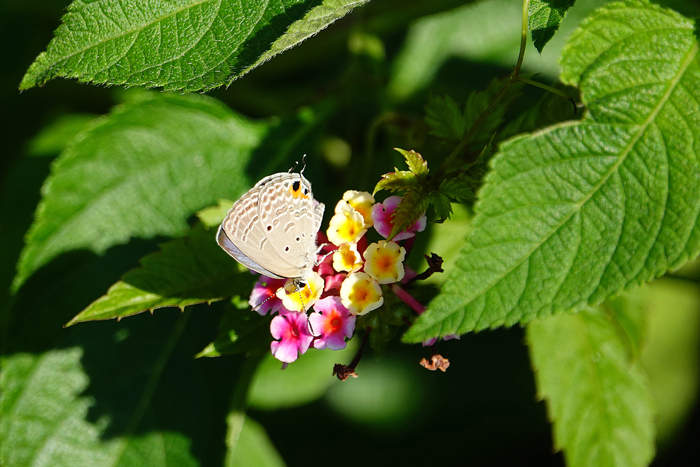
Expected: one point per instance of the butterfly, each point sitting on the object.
(272, 228)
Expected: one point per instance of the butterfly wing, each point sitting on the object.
(241, 235)
(290, 220)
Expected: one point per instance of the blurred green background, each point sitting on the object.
(385, 57)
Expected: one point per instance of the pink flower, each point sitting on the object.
(292, 330)
(332, 322)
(381, 215)
(334, 282)
(264, 298)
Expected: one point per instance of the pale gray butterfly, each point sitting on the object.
(272, 228)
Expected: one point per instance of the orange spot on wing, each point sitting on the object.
(298, 193)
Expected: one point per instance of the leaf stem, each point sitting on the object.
(523, 37)
(514, 76)
(239, 404)
(551, 89)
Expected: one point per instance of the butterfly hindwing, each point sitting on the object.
(247, 242)
(290, 220)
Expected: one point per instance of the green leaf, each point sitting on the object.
(598, 400)
(302, 382)
(415, 162)
(241, 331)
(189, 270)
(254, 448)
(57, 136)
(442, 205)
(393, 181)
(461, 188)
(548, 110)
(385, 322)
(141, 172)
(579, 212)
(445, 118)
(544, 19)
(630, 314)
(412, 206)
(188, 45)
(671, 354)
(106, 398)
(212, 216)
(448, 122)
(480, 101)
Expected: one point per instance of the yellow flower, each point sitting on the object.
(360, 294)
(384, 262)
(301, 300)
(346, 226)
(361, 201)
(347, 258)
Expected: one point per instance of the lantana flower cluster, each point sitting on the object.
(345, 284)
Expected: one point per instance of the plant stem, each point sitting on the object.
(514, 76)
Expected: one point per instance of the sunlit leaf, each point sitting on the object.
(544, 19)
(581, 211)
(186, 45)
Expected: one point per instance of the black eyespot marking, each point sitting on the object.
(298, 239)
(269, 227)
(295, 186)
(286, 248)
(306, 191)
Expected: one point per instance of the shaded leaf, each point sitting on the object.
(413, 205)
(302, 382)
(189, 45)
(242, 330)
(442, 205)
(189, 270)
(254, 448)
(544, 19)
(445, 118)
(548, 110)
(141, 172)
(66, 408)
(671, 354)
(597, 398)
(448, 122)
(579, 212)
(57, 136)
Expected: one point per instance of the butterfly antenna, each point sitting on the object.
(293, 167)
(303, 167)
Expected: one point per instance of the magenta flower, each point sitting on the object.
(381, 216)
(332, 322)
(264, 298)
(334, 282)
(292, 330)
